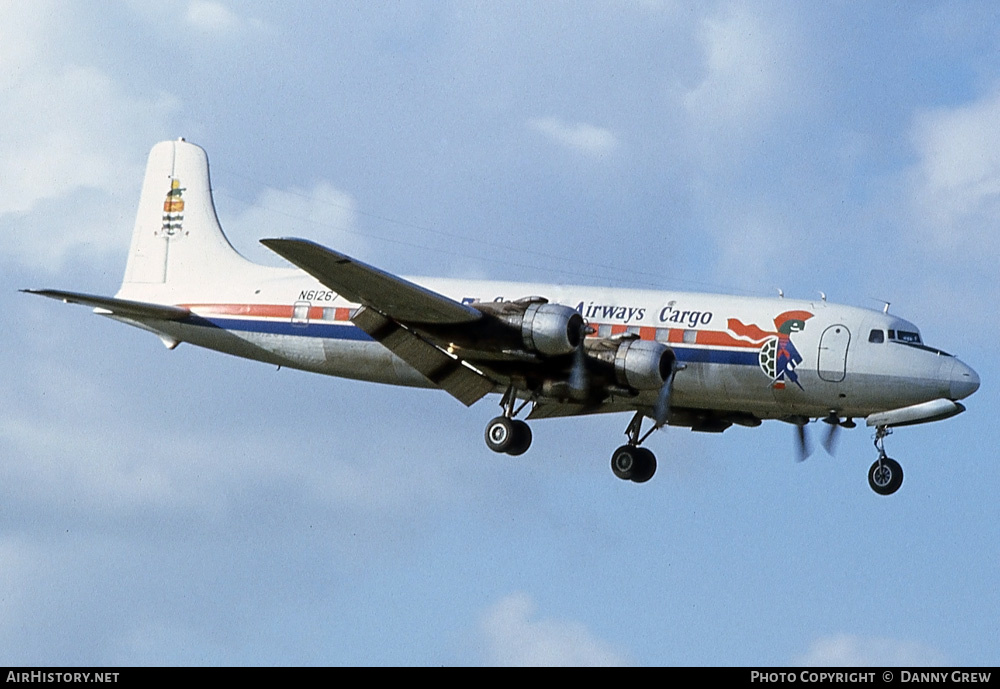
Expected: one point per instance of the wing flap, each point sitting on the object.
(364, 284)
(138, 310)
(444, 370)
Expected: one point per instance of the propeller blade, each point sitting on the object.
(578, 375)
(830, 440)
(662, 409)
(804, 446)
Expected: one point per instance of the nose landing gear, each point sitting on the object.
(886, 475)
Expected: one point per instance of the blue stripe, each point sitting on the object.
(339, 331)
(717, 356)
(329, 331)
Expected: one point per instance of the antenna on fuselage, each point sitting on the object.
(781, 292)
(886, 309)
(822, 296)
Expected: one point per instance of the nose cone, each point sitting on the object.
(964, 381)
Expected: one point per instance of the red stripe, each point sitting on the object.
(264, 311)
(714, 338)
(721, 339)
(255, 310)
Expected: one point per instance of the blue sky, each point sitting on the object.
(189, 508)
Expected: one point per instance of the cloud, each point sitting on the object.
(73, 170)
(515, 638)
(577, 136)
(745, 60)
(210, 16)
(321, 213)
(956, 182)
(216, 18)
(846, 650)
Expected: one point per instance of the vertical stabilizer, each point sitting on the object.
(177, 240)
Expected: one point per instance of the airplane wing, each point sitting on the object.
(109, 306)
(456, 377)
(363, 284)
(391, 304)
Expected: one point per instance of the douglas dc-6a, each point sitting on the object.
(697, 360)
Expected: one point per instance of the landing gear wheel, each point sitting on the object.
(623, 462)
(522, 438)
(885, 476)
(500, 434)
(645, 467)
(508, 436)
(631, 463)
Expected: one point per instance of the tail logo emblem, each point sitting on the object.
(173, 209)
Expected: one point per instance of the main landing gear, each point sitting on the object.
(505, 434)
(885, 476)
(631, 462)
(509, 435)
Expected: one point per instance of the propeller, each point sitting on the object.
(829, 441)
(662, 408)
(804, 446)
(578, 380)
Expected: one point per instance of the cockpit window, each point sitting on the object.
(876, 336)
(910, 338)
(905, 336)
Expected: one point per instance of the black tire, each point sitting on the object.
(522, 438)
(645, 465)
(885, 476)
(623, 461)
(500, 434)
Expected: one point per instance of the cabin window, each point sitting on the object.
(876, 336)
(329, 314)
(300, 313)
(690, 336)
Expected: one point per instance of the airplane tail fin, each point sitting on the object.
(177, 241)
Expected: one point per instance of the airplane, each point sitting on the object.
(701, 361)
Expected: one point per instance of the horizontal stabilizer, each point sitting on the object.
(126, 308)
(444, 370)
(363, 284)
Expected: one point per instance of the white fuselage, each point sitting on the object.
(734, 355)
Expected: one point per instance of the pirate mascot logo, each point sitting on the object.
(778, 356)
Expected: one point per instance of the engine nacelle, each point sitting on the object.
(642, 364)
(551, 329)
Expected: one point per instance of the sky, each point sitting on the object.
(188, 508)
